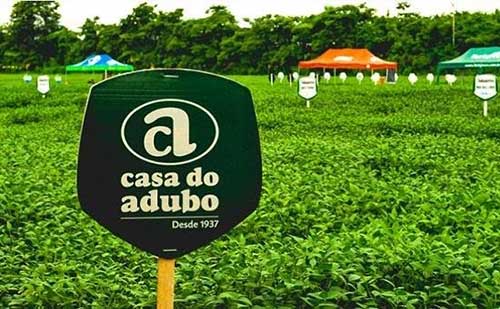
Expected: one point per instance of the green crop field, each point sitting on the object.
(376, 196)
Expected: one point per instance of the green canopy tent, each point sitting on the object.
(474, 58)
(99, 63)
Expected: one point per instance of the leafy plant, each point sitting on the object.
(376, 196)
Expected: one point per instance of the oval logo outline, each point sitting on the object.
(132, 151)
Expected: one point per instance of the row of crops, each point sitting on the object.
(378, 196)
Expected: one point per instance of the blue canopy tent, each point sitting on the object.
(99, 63)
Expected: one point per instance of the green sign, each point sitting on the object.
(169, 159)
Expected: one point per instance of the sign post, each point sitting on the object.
(485, 88)
(166, 283)
(169, 161)
(308, 89)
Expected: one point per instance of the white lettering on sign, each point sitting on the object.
(43, 84)
(307, 87)
(180, 145)
(492, 56)
(485, 86)
(186, 201)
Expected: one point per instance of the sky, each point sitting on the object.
(74, 12)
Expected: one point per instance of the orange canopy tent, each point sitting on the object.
(348, 58)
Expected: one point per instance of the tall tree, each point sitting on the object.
(216, 42)
(108, 38)
(204, 37)
(3, 42)
(31, 23)
(90, 37)
(168, 28)
(68, 47)
(136, 38)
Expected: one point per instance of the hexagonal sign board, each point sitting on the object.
(485, 86)
(43, 84)
(307, 88)
(169, 159)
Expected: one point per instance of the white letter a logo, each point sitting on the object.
(180, 136)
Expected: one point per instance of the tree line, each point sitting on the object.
(147, 37)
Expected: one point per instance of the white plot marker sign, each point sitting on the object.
(27, 78)
(413, 78)
(360, 77)
(375, 78)
(343, 77)
(450, 79)
(307, 89)
(327, 76)
(43, 84)
(281, 76)
(485, 88)
(430, 78)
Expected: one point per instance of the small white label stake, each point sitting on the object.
(485, 88)
(308, 89)
(43, 84)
